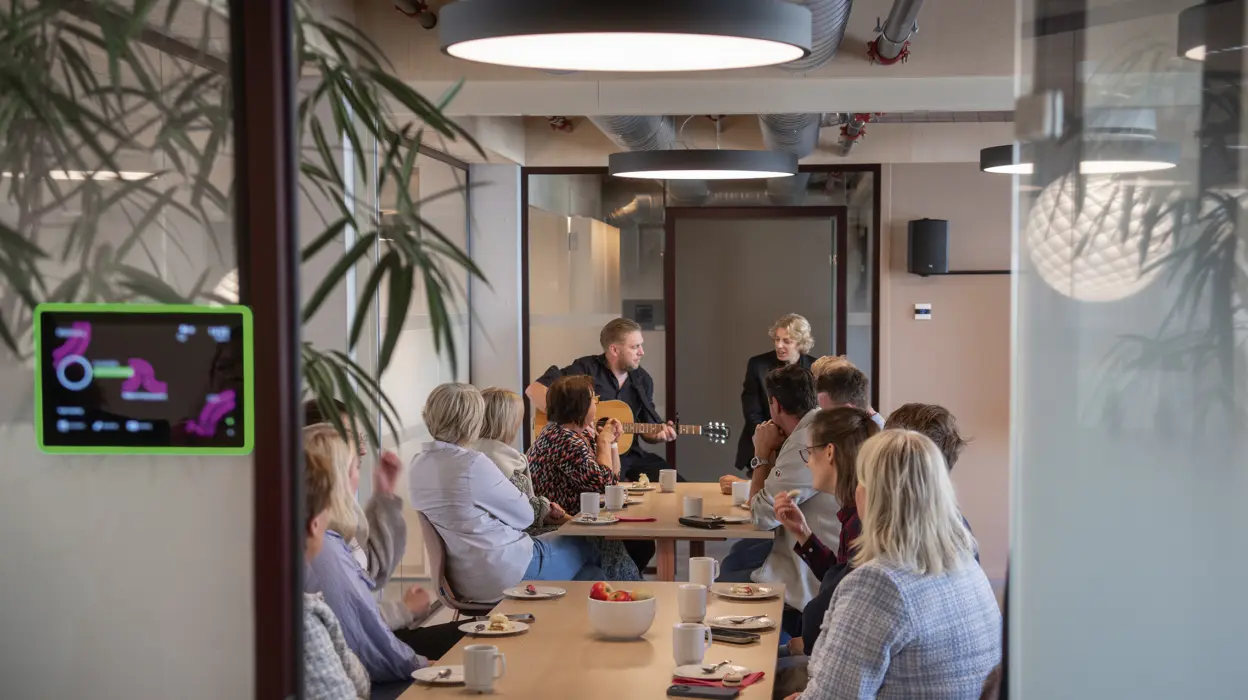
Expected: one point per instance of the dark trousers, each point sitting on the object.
(431, 642)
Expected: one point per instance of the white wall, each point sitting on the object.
(733, 280)
(496, 339)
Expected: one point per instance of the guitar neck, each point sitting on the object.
(651, 428)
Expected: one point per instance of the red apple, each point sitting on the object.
(620, 597)
(600, 591)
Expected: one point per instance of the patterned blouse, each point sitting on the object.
(563, 466)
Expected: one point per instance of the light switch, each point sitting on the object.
(922, 312)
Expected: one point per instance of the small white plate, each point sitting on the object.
(602, 519)
(695, 671)
(725, 622)
(724, 590)
(638, 488)
(429, 674)
(484, 629)
(543, 593)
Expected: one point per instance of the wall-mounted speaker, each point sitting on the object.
(928, 252)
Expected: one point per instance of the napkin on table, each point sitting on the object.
(750, 679)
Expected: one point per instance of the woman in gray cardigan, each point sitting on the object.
(916, 619)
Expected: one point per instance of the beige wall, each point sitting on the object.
(960, 358)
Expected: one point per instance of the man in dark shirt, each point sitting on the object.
(617, 375)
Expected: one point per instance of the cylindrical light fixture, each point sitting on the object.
(702, 164)
(1100, 157)
(633, 36)
(1210, 28)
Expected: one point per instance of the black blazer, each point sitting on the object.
(754, 400)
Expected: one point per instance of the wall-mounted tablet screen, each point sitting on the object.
(133, 379)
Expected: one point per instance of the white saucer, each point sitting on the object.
(638, 488)
(471, 628)
(695, 671)
(543, 593)
(725, 622)
(429, 675)
(761, 592)
(603, 519)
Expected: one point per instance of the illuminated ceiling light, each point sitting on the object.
(1101, 156)
(1095, 244)
(98, 175)
(702, 164)
(1211, 28)
(633, 36)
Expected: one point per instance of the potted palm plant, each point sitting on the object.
(92, 87)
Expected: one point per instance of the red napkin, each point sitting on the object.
(748, 681)
(625, 519)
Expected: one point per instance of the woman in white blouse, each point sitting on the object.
(479, 513)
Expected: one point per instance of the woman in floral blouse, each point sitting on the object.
(573, 455)
(504, 413)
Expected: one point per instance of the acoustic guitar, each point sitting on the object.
(716, 432)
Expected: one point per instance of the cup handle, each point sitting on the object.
(500, 665)
(708, 640)
(715, 570)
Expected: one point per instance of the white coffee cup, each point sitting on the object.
(703, 570)
(740, 492)
(589, 504)
(667, 480)
(690, 640)
(693, 506)
(691, 602)
(483, 664)
(615, 497)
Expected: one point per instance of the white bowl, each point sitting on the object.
(621, 621)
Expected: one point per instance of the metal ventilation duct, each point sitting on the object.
(828, 20)
(644, 133)
(893, 43)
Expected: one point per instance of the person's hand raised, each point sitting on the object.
(386, 475)
(791, 517)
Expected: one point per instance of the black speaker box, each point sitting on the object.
(929, 247)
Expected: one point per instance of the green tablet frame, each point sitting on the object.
(128, 309)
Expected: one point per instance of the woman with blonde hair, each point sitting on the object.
(504, 413)
(480, 515)
(916, 617)
(791, 340)
(347, 588)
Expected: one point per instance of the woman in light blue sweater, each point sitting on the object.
(916, 619)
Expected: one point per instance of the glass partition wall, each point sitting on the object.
(1129, 389)
(596, 249)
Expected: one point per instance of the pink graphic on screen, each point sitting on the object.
(76, 344)
(144, 376)
(218, 405)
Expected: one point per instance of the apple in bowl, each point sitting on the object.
(620, 615)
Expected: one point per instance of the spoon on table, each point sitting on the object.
(712, 669)
(743, 620)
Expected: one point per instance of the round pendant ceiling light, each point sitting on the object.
(1211, 28)
(702, 165)
(632, 36)
(1100, 157)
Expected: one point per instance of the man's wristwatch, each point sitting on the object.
(757, 462)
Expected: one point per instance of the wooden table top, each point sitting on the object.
(666, 509)
(560, 657)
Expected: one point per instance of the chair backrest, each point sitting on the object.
(437, 571)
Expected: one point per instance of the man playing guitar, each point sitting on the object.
(618, 375)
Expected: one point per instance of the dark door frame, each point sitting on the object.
(673, 215)
(262, 69)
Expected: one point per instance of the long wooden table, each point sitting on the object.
(666, 530)
(561, 657)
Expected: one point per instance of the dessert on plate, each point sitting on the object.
(499, 623)
(742, 589)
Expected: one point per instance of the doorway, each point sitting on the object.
(729, 274)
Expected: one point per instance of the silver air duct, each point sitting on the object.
(893, 43)
(644, 133)
(828, 20)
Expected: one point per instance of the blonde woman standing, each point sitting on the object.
(791, 340)
(917, 617)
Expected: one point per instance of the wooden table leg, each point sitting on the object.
(697, 548)
(665, 557)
